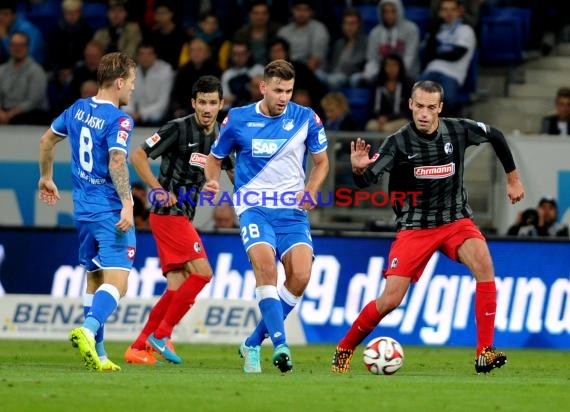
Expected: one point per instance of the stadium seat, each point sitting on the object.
(358, 103)
(501, 40)
(501, 44)
(369, 14)
(44, 16)
(420, 16)
(521, 14)
(95, 14)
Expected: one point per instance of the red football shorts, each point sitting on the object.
(176, 240)
(412, 249)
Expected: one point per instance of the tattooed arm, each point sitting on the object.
(120, 175)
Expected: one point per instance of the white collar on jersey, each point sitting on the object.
(258, 110)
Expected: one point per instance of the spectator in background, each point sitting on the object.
(251, 93)
(348, 53)
(167, 36)
(200, 64)
(12, 22)
(229, 13)
(23, 86)
(337, 113)
(150, 100)
(241, 70)
(308, 38)
(559, 123)
(119, 35)
(338, 118)
(305, 78)
(548, 219)
(68, 39)
(209, 31)
(85, 70)
(394, 34)
(388, 106)
(258, 32)
(526, 224)
(448, 54)
(89, 88)
(224, 217)
(468, 10)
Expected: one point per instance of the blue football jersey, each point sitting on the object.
(271, 153)
(94, 127)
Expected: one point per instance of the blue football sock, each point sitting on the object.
(271, 313)
(87, 303)
(105, 301)
(288, 302)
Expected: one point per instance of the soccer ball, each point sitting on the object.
(383, 356)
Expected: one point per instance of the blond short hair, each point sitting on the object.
(335, 99)
(71, 5)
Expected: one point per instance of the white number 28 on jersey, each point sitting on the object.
(249, 231)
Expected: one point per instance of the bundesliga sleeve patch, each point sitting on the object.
(322, 136)
(122, 138)
(125, 124)
(226, 120)
(154, 139)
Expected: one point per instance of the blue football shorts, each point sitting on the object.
(281, 228)
(103, 246)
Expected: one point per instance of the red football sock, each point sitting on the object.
(365, 323)
(154, 318)
(485, 308)
(181, 303)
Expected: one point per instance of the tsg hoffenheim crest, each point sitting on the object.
(288, 124)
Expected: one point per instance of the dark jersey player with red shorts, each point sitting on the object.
(183, 145)
(427, 156)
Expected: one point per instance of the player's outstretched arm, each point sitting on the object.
(359, 156)
(120, 175)
(515, 188)
(48, 192)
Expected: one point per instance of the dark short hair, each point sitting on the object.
(548, 199)
(252, 3)
(429, 86)
(9, 5)
(281, 69)
(309, 3)
(563, 92)
(207, 84)
(279, 40)
(352, 12)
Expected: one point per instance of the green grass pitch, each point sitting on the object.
(49, 376)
